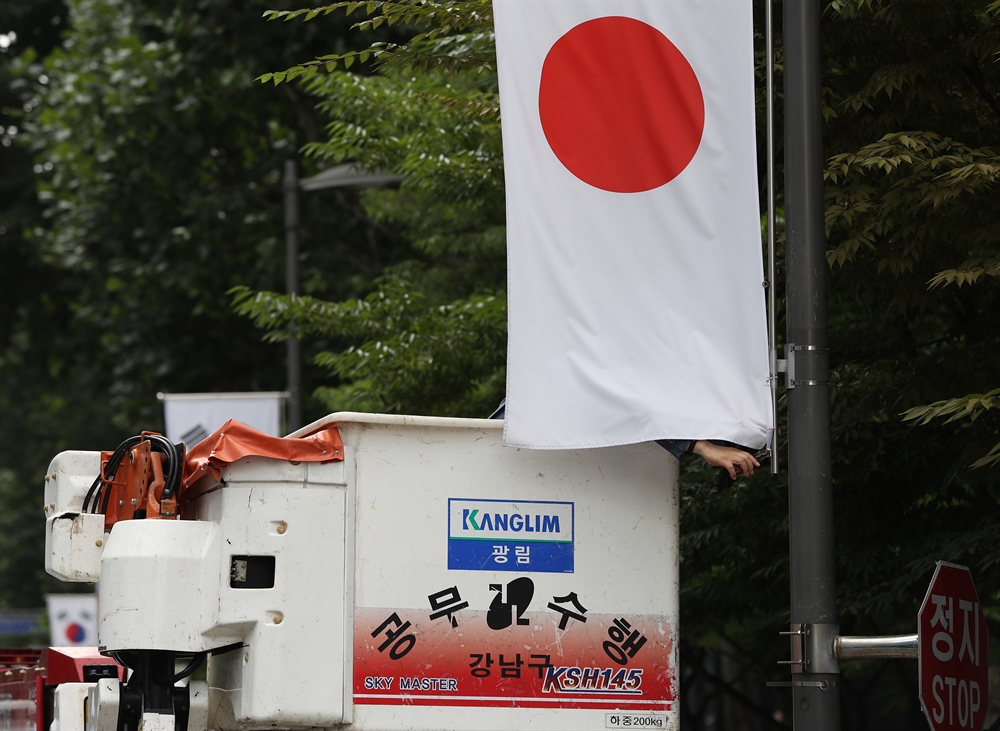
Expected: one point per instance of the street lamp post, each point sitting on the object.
(815, 685)
(293, 346)
(341, 176)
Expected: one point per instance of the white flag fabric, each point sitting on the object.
(190, 417)
(636, 310)
(72, 619)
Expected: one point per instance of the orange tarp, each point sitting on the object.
(233, 441)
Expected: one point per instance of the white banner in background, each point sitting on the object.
(72, 619)
(636, 310)
(190, 417)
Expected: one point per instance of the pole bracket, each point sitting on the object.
(821, 684)
(813, 648)
(790, 350)
(818, 648)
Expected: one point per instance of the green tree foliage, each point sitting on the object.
(146, 182)
(912, 183)
(911, 133)
(971, 407)
(36, 346)
(432, 337)
(166, 164)
(916, 164)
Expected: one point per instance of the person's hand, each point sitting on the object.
(735, 461)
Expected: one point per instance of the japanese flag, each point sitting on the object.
(634, 238)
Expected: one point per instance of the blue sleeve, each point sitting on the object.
(676, 447)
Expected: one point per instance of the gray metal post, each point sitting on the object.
(816, 695)
(341, 176)
(772, 276)
(294, 352)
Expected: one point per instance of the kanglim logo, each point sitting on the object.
(521, 521)
(510, 535)
(514, 522)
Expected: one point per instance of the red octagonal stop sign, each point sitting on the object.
(954, 688)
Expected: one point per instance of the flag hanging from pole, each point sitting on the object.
(72, 619)
(636, 310)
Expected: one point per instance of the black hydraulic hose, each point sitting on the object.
(192, 666)
(173, 471)
(110, 469)
(119, 658)
(90, 493)
(179, 474)
(107, 494)
(173, 484)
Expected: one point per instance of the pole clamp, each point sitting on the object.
(813, 648)
(790, 350)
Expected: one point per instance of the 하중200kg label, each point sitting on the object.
(635, 720)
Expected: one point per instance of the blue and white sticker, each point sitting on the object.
(505, 535)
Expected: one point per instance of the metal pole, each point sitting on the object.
(890, 647)
(772, 300)
(816, 696)
(294, 352)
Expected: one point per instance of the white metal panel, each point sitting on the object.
(68, 706)
(153, 585)
(74, 542)
(69, 477)
(103, 705)
(291, 667)
(625, 566)
(197, 706)
(73, 546)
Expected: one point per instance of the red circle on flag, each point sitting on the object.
(620, 106)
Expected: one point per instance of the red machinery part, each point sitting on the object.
(28, 676)
(74, 664)
(22, 689)
(137, 485)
